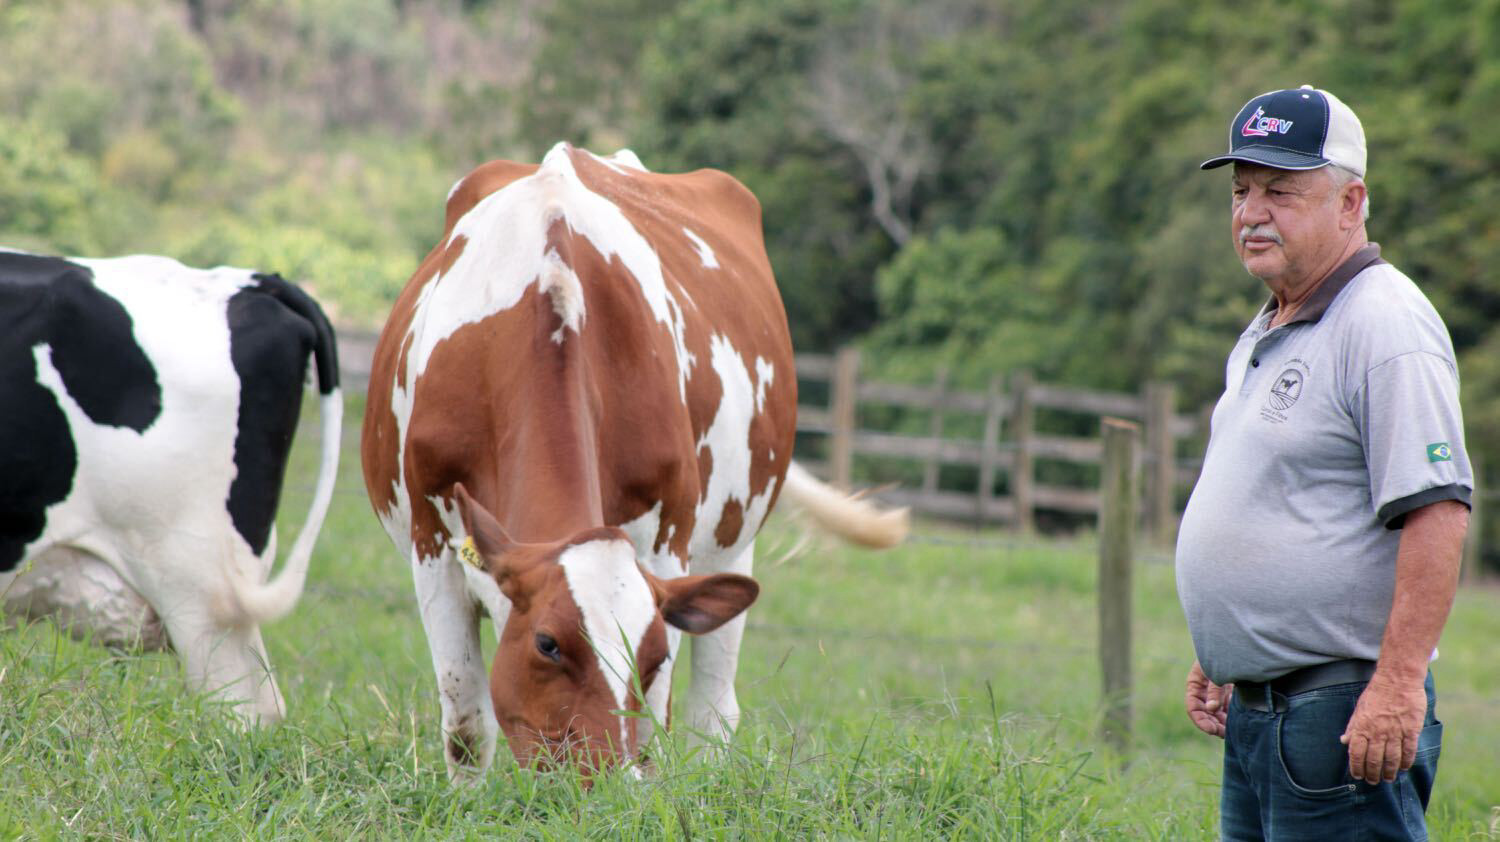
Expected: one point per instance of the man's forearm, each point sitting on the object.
(1427, 565)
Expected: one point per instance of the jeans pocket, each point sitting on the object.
(1430, 743)
(1313, 761)
(1416, 783)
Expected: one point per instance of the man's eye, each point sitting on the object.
(546, 645)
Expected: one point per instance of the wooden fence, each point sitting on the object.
(1010, 442)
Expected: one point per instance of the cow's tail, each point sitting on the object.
(261, 603)
(857, 520)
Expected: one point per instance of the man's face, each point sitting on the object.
(1287, 223)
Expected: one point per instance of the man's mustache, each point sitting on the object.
(1264, 232)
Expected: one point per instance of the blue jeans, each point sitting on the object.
(1286, 775)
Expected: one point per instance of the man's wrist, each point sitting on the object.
(1401, 672)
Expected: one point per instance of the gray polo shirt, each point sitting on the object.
(1330, 430)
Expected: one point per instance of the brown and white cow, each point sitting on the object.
(598, 355)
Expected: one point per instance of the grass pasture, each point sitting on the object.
(948, 689)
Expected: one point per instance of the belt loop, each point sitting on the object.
(1270, 697)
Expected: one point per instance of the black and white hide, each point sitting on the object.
(146, 415)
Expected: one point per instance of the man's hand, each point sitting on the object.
(1383, 732)
(1208, 703)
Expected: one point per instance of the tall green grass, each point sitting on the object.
(948, 689)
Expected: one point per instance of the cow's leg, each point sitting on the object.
(712, 710)
(451, 619)
(221, 653)
(227, 661)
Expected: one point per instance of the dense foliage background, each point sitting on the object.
(978, 184)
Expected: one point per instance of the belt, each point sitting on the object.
(1260, 695)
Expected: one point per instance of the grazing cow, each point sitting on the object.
(587, 391)
(148, 414)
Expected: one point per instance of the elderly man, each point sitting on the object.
(1319, 553)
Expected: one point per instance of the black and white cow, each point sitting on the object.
(146, 415)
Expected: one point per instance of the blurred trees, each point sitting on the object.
(290, 136)
(975, 184)
(726, 84)
(1021, 181)
(582, 84)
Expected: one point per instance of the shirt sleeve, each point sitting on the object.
(1413, 436)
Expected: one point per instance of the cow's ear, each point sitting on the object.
(489, 536)
(489, 548)
(700, 604)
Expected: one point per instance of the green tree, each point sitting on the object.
(584, 82)
(51, 198)
(724, 84)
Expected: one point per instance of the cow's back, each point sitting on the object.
(146, 392)
(679, 324)
(59, 333)
(739, 393)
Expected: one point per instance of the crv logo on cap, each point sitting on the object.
(1261, 126)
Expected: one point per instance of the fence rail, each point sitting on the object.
(1009, 446)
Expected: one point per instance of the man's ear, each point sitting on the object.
(700, 604)
(496, 550)
(1352, 203)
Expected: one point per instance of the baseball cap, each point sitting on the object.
(1295, 129)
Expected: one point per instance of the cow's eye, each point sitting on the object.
(546, 645)
(649, 676)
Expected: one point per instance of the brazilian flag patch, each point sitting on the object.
(1439, 452)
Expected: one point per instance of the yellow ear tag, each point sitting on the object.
(470, 554)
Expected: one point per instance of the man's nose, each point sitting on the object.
(1254, 209)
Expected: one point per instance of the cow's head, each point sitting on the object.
(586, 638)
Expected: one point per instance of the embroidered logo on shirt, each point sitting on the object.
(1439, 452)
(1286, 389)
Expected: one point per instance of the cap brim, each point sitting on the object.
(1269, 156)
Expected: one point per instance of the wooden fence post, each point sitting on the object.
(1117, 518)
(1474, 539)
(1161, 458)
(934, 464)
(1022, 474)
(842, 405)
(989, 452)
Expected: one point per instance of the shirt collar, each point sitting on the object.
(1316, 304)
